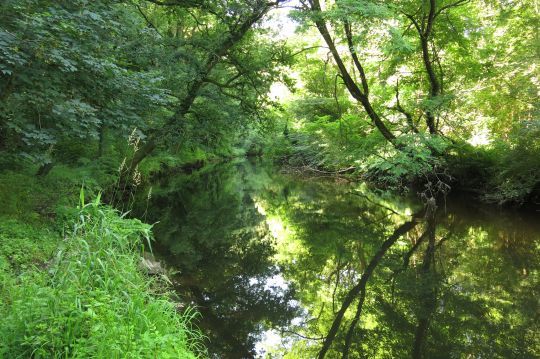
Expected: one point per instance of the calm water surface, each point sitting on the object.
(273, 262)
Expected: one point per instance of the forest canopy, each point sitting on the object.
(400, 91)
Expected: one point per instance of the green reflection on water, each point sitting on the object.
(255, 249)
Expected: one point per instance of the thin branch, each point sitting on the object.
(350, 44)
(181, 3)
(455, 4)
(300, 335)
(198, 24)
(401, 110)
(228, 83)
(375, 203)
(148, 21)
(307, 49)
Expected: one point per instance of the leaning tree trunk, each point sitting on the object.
(362, 96)
(213, 58)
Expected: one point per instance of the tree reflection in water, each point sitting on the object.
(359, 274)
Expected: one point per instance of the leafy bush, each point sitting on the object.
(516, 174)
(325, 143)
(418, 160)
(329, 145)
(470, 166)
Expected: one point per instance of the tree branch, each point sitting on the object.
(414, 22)
(181, 3)
(401, 110)
(148, 20)
(348, 34)
(446, 7)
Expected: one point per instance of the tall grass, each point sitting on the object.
(93, 300)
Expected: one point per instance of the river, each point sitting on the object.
(272, 260)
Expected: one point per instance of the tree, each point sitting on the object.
(235, 20)
(358, 92)
(348, 16)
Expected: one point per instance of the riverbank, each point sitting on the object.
(71, 279)
(489, 175)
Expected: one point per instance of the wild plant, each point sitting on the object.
(95, 301)
(128, 178)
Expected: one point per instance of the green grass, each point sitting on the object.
(83, 295)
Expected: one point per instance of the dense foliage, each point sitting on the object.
(413, 91)
(93, 300)
(406, 92)
(78, 75)
(432, 95)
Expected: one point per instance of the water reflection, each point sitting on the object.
(339, 271)
(210, 231)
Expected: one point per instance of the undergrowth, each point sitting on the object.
(504, 172)
(91, 299)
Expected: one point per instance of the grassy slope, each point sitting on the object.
(70, 284)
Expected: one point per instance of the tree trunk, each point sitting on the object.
(44, 169)
(435, 87)
(351, 85)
